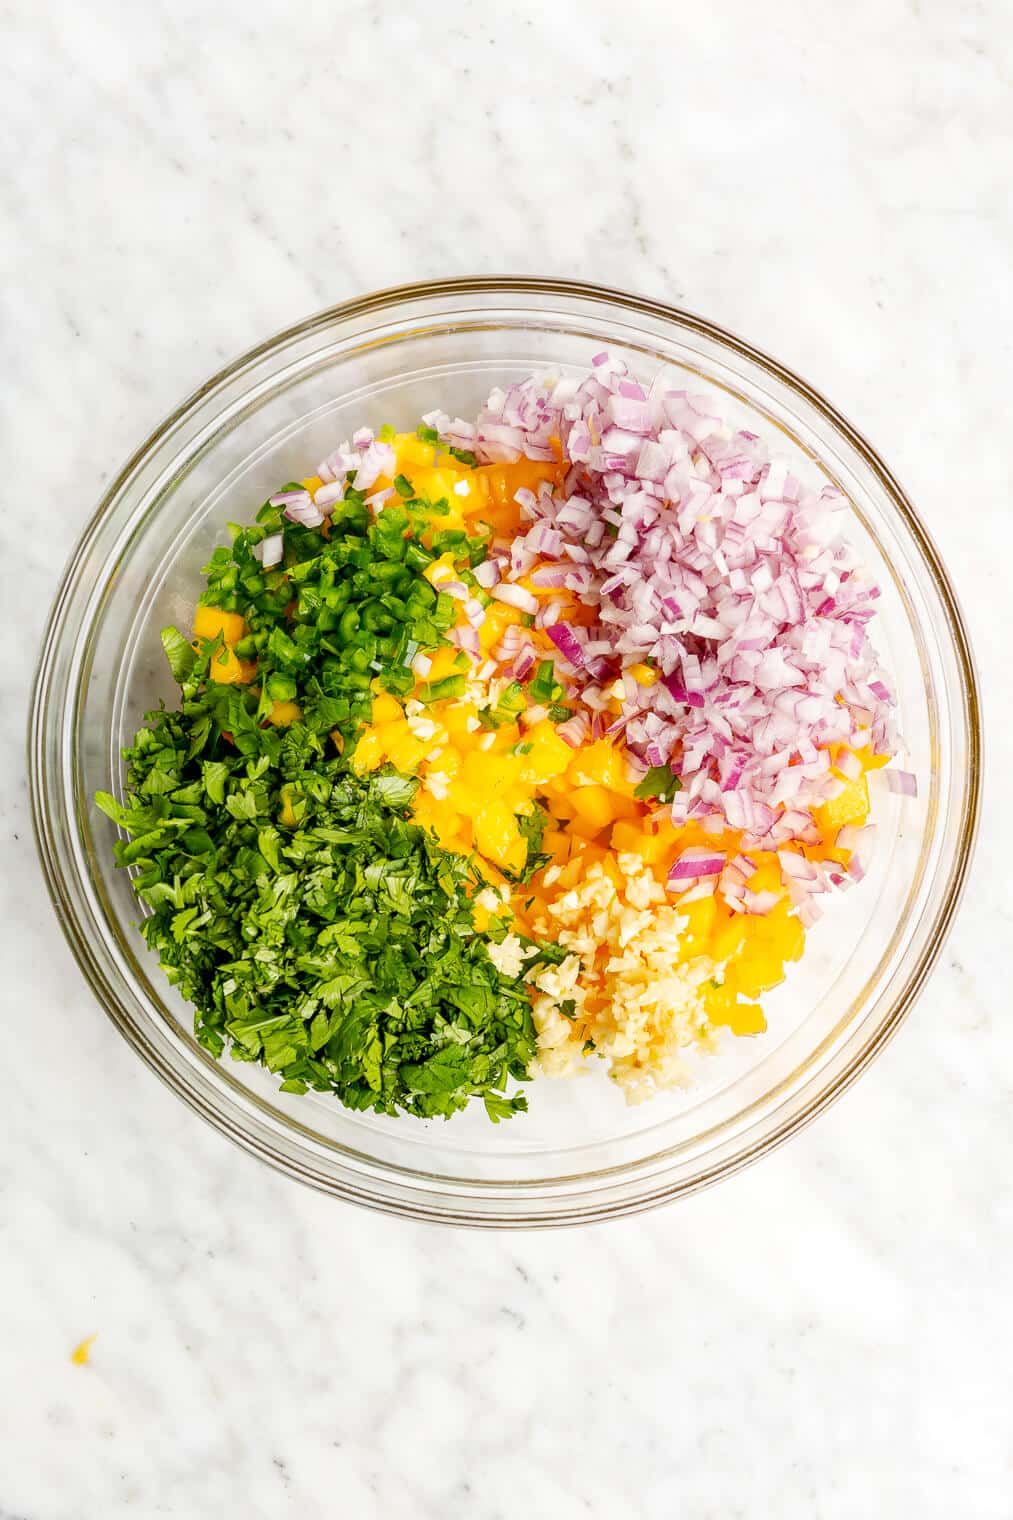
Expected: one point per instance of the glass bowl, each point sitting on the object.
(581, 1153)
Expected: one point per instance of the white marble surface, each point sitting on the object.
(826, 1336)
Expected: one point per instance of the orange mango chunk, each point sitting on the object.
(209, 622)
(229, 670)
(284, 713)
(851, 805)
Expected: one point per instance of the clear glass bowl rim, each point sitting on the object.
(506, 287)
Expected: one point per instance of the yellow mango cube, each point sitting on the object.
(412, 453)
(557, 844)
(728, 937)
(755, 970)
(386, 709)
(851, 805)
(404, 751)
(498, 838)
(746, 1018)
(490, 775)
(209, 622)
(498, 618)
(458, 717)
(445, 663)
(369, 751)
(598, 764)
(284, 713)
(227, 669)
(548, 756)
(593, 805)
(724, 1010)
(627, 837)
(700, 918)
(767, 876)
(784, 932)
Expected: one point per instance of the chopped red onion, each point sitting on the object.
(567, 642)
(696, 861)
(515, 596)
(575, 730)
(271, 550)
(725, 572)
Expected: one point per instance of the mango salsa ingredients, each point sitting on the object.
(523, 744)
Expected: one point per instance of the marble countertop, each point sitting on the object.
(827, 1335)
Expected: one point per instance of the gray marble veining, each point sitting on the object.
(825, 1337)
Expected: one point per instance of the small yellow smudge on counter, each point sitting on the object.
(81, 1354)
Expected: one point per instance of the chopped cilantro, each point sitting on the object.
(315, 928)
(660, 782)
(180, 654)
(339, 953)
(531, 827)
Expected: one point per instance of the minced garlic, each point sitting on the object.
(509, 955)
(626, 986)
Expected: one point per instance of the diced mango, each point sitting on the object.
(627, 837)
(746, 1018)
(498, 838)
(557, 844)
(700, 917)
(386, 709)
(729, 935)
(548, 756)
(481, 918)
(445, 663)
(491, 775)
(209, 622)
(446, 761)
(369, 751)
(718, 1000)
(442, 569)
(593, 805)
(413, 453)
(599, 764)
(756, 969)
(623, 806)
(500, 484)
(284, 713)
(436, 483)
(571, 873)
(404, 751)
(767, 876)
(740, 1018)
(782, 930)
(851, 805)
(498, 618)
(458, 717)
(227, 669)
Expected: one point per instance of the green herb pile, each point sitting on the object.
(314, 927)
